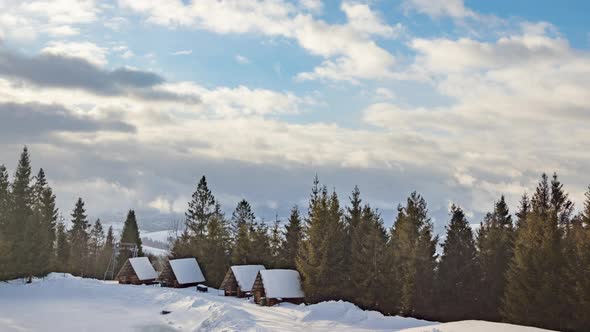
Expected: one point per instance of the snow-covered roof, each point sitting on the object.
(281, 283)
(187, 270)
(143, 268)
(246, 275)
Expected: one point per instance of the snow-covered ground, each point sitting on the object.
(154, 251)
(65, 303)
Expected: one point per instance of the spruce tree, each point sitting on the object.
(216, 259)
(523, 211)
(354, 237)
(47, 217)
(495, 241)
(293, 237)
(259, 244)
(78, 239)
(579, 268)
(62, 250)
(200, 209)
(532, 295)
(321, 256)
(275, 243)
(96, 242)
(458, 274)
(106, 252)
(412, 259)
(4, 219)
(367, 258)
(21, 215)
(242, 215)
(241, 245)
(130, 233)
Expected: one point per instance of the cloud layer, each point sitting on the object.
(457, 116)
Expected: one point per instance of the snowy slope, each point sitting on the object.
(65, 303)
(154, 251)
(161, 236)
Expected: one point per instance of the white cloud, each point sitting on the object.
(385, 94)
(83, 50)
(183, 52)
(349, 52)
(23, 21)
(62, 31)
(436, 9)
(510, 103)
(242, 59)
(312, 5)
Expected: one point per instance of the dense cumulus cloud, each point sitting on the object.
(133, 136)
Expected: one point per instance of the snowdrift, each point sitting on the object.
(66, 303)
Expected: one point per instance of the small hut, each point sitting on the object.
(137, 271)
(239, 279)
(276, 286)
(180, 273)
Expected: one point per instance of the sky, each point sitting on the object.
(128, 103)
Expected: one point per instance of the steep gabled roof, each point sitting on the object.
(143, 268)
(187, 270)
(246, 275)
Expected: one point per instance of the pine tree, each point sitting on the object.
(242, 215)
(47, 217)
(130, 233)
(321, 256)
(62, 249)
(412, 259)
(275, 243)
(241, 246)
(78, 239)
(182, 247)
(242, 221)
(495, 241)
(354, 237)
(21, 214)
(95, 245)
(367, 258)
(458, 273)
(293, 238)
(259, 244)
(579, 268)
(200, 209)
(106, 252)
(532, 295)
(4, 219)
(216, 260)
(523, 211)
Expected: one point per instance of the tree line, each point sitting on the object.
(34, 240)
(530, 267)
(530, 270)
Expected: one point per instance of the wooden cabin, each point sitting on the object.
(239, 279)
(137, 271)
(181, 273)
(276, 286)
